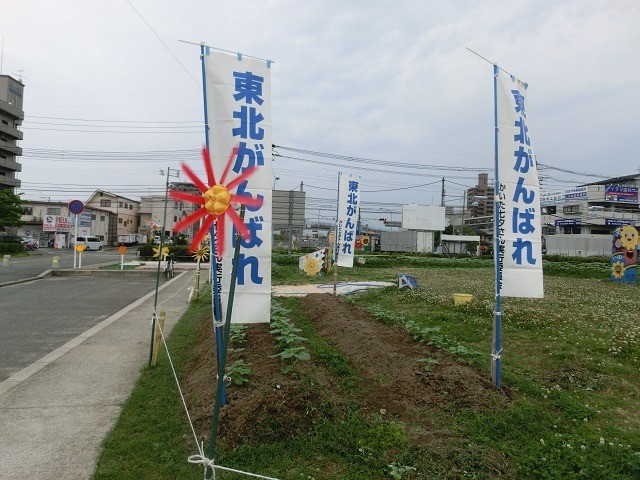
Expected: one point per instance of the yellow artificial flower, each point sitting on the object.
(617, 269)
(202, 253)
(311, 267)
(156, 252)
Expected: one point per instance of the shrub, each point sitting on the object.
(8, 248)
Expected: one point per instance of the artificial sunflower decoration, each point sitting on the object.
(202, 253)
(214, 201)
(312, 266)
(156, 252)
(617, 269)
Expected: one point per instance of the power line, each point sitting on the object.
(101, 131)
(387, 172)
(198, 122)
(165, 45)
(348, 158)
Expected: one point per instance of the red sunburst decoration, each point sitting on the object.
(215, 202)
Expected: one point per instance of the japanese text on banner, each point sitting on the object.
(239, 102)
(518, 197)
(347, 219)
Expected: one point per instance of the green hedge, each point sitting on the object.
(8, 248)
(179, 252)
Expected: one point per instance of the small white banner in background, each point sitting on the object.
(348, 215)
(520, 249)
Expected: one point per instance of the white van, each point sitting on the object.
(90, 243)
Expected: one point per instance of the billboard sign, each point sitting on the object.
(614, 222)
(567, 222)
(84, 219)
(615, 193)
(49, 223)
(577, 194)
(423, 217)
(63, 224)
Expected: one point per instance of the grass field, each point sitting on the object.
(571, 362)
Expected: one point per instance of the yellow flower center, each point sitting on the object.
(217, 199)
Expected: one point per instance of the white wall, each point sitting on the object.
(579, 245)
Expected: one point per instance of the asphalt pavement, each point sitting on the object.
(42, 260)
(55, 412)
(38, 317)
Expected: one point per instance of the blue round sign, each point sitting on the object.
(76, 207)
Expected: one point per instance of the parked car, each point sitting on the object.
(90, 243)
(167, 241)
(5, 237)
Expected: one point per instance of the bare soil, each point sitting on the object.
(387, 360)
(270, 407)
(393, 381)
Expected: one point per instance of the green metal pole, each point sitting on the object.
(155, 298)
(223, 361)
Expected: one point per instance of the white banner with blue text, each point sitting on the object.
(347, 219)
(238, 92)
(519, 255)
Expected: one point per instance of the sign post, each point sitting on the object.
(79, 249)
(122, 249)
(76, 207)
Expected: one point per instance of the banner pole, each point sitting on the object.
(75, 242)
(223, 357)
(496, 347)
(335, 243)
(213, 254)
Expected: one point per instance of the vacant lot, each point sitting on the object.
(397, 385)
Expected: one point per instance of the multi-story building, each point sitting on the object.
(480, 198)
(152, 210)
(11, 116)
(125, 212)
(93, 222)
(581, 220)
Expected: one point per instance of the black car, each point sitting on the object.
(5, 237)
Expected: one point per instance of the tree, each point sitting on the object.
(10, 209)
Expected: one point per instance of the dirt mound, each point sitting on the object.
(271, 406)
(387, 360)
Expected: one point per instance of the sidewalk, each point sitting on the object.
(55, 413)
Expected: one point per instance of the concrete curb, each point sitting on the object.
(104, 273)
(46, 273)
(19, 377)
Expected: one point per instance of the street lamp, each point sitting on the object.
(275, 179)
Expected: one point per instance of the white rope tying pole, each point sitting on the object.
(200, 458)
(180, 289)
(184, 403)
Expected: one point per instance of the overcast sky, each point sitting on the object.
(385, 80)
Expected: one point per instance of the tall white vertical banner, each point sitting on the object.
(347, 219)
(239, 109)
(520, 249)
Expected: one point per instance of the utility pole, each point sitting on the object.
(291, 218)
(175, 173)
(442, 194)
(301, 186)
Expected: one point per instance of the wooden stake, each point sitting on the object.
(157, 338)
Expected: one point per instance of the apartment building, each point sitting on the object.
(124, 212)
(11, 116)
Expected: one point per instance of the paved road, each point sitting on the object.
(38, 262)
(40, 316)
